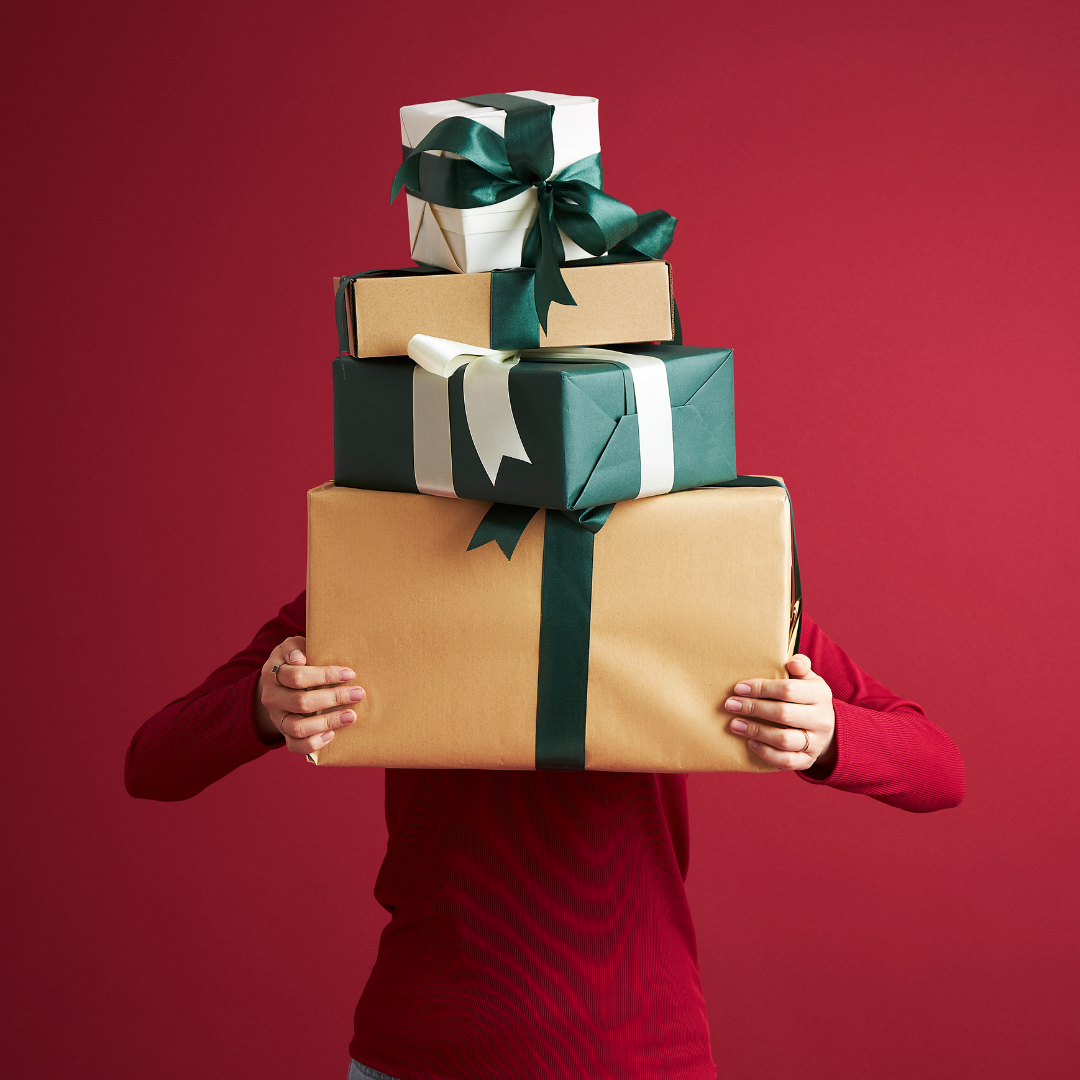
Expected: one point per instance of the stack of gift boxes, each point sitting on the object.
(536, 552)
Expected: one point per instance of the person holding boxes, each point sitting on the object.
(560, 598)
(539, 925)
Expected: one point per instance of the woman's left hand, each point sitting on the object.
(802, 705)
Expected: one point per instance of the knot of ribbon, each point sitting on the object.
(494, 168)
(490, 415)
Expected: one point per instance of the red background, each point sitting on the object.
(879, 213)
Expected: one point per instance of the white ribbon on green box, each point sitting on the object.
(490, 416)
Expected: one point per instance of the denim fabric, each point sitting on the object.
(362, 1072)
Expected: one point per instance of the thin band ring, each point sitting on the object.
(806, 748)
(281, 724)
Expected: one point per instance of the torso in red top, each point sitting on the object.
(539, 927)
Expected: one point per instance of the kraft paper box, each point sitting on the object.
(690, 593)
(483, 238)
(626, 301)
(589, 433)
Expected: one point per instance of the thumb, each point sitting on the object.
(293, 650)
(798, 666)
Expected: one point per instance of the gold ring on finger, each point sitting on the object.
(806, 748)
(281, 722)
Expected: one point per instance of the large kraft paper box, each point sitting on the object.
(691, 592)
(616, 302)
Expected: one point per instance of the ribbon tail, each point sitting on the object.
(490, 415)
(504, 524)
(544, 249)
(651, 237)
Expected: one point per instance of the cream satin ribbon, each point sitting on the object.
(491, 418)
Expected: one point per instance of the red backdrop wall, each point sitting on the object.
(878, 213)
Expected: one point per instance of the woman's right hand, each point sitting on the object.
(305, 704)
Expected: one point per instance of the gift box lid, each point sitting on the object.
(575, 126)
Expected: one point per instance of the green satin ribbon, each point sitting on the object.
(562, 678)
(496, 168)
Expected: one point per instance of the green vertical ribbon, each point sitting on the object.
(562, 678)
(513, 318)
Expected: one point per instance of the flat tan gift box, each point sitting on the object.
(619, 302)
(691, 593)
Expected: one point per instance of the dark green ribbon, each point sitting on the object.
(562, 678)
(496, 168)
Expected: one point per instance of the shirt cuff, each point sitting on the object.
(847, 719)
(251, 728)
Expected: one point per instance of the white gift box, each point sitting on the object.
(487, 238)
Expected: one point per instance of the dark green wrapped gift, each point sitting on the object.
(559, 428)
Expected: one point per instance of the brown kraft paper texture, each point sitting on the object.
(621, 302)
(691, 593)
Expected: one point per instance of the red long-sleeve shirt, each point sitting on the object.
(539, 925)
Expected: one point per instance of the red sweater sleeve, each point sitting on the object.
(204, 735)
(886, 747)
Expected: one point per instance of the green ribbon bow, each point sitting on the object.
(496, 168)
(562, 678)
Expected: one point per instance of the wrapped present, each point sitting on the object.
(476, 239)
(556, 646)
(504, 180)
(380, 310)
(560, 428)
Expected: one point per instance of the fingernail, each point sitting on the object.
(752, 743)
(296, 657)
(739, 726)
(348, 717)
(345, 674)
(357, 694)
(733, 704)
(743, 688)
(326, 737)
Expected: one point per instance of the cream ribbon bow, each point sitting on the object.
(491, 417)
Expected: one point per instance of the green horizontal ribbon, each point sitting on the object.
(495, 168)
(562, 678)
